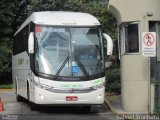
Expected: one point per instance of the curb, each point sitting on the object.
(110, 107)
(7, 90)
(114, 110)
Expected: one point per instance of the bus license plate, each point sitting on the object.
(71, 98)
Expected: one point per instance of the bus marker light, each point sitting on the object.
(41, 96)
(38, 29)
(99, 97)
(71, 98)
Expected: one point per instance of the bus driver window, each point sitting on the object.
(131, 38)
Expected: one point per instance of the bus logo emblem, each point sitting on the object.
(71, 90)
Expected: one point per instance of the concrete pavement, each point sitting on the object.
(22, 109)
(112, 101)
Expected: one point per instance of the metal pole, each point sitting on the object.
(149, 89)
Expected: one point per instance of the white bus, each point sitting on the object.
(58, 59)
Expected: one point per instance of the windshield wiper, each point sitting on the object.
(62, 66)
(81, 66)
(79, 63)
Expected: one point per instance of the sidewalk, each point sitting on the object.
(114, 103)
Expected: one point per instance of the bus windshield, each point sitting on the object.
(68, 51)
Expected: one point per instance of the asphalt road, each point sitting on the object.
(21, 111)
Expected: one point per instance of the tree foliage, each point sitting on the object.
(12, 14)
(7, 8)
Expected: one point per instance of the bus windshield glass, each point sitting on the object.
(68, 51)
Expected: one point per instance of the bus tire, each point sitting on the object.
(33, 106)
(86, 109)
(18, 97)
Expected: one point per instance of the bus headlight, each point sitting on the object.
(99, 97)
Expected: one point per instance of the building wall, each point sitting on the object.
(135, 73)
(134, 10)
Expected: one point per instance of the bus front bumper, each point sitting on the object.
(44, 97)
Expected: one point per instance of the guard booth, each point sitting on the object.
(139, 78)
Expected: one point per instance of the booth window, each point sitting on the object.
(131, 38)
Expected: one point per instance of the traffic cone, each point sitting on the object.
(1, 105)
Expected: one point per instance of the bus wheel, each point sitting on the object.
(18, 97)
(33, 106)
(86, 109)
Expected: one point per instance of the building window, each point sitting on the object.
(131, 38)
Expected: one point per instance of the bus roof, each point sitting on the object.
(60, 18)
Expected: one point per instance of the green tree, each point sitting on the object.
(7, 8)
(12, 14)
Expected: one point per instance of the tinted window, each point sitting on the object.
(131, 38)
(21, 41)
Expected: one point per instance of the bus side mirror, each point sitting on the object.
(31, 43)
(109, 44)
